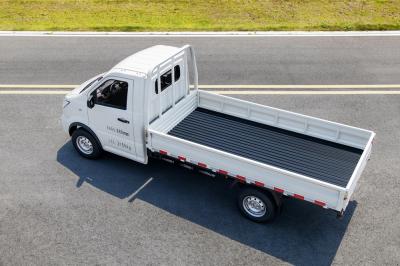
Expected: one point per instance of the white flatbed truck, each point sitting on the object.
(145, 107)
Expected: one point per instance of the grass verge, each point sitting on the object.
(179, 15)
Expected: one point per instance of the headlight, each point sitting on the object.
(66, 103)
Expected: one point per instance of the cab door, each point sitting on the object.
(110, 114)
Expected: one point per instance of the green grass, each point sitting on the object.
(179, 15)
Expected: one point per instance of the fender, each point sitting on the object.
(276, 197)
(77, 125)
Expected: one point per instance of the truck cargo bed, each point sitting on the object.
(320, 159)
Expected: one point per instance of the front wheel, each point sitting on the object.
(256, 205)
(86, 144)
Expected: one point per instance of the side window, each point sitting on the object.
(166, 78)
(112, 93)
(177, 73)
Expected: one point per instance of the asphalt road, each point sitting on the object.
(226, 60)
(57, 208)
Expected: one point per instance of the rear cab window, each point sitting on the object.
(166, 79)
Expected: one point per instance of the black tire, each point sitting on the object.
(81, 134)
(261, 199)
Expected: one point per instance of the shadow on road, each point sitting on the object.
(303, 234)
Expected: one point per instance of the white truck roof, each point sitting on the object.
(145, 60)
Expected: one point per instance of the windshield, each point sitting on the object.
(91, 83)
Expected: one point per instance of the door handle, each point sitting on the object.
(123, 120)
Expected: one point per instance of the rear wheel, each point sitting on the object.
(256, 205)
(86, 144)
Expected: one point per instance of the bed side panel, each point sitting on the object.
(271, 177)
(323, 129)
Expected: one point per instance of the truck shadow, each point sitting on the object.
(303, 234)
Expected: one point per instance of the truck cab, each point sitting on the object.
(116, 106)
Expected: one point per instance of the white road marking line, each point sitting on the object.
(233, 86)
(331, 92)
(200, 34)
(322, 86)
(28, 92)
(134, 194)
(36, 86)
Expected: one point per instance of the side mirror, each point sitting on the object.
(90, 102)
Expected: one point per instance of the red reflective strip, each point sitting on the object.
(259, 184)
(241, 178)
(297, 196)
(320, 203)
(278, 189)
(222, 172)
(203, 165)
(181, 158)
(163, 152)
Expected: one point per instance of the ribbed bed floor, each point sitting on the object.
(320, 159)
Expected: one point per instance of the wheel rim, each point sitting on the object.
(254, 206)
(84, 145)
